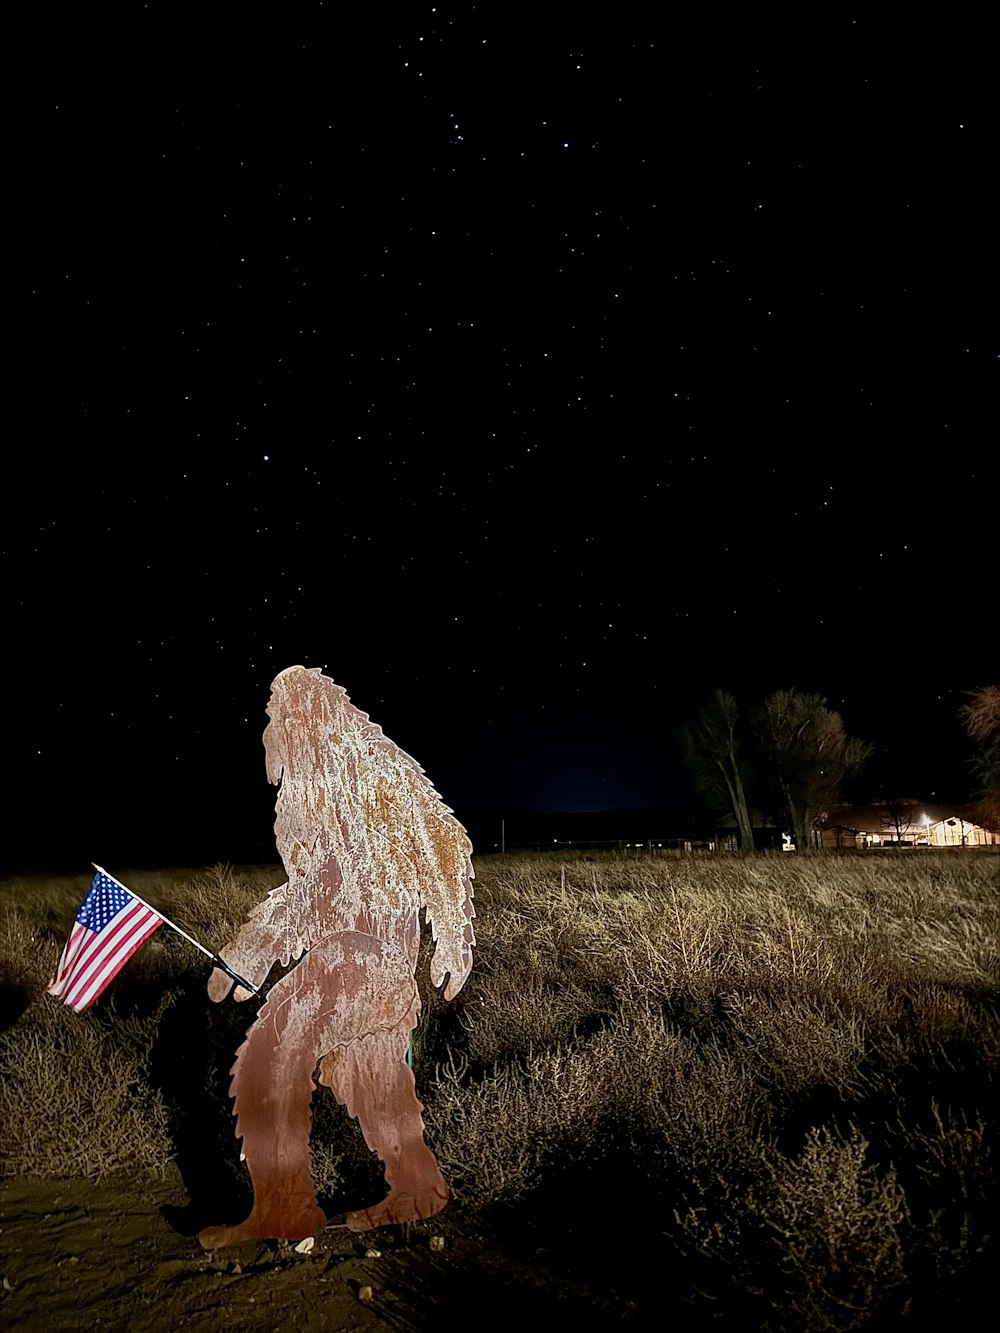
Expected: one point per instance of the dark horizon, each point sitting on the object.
(191, 824)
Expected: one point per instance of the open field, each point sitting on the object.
(677, 1091)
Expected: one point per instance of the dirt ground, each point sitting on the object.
(78, 1255)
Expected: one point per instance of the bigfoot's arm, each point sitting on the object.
(446, 888)
(453, 951)
(260, 942)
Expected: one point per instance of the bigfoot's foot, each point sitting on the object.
(310, 1223)
(400, 1206)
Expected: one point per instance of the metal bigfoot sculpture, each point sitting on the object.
(366, 842)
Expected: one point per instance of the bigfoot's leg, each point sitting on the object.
(371, 1078)
(272, 1087)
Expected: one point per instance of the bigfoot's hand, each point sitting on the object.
(454, 941)
(253, 952)
(220, 982)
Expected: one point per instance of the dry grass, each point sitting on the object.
(776, 1076)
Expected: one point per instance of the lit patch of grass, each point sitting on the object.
(786, 1065)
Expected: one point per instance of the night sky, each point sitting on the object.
(532, 374)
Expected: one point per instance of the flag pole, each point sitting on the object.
(219, 962)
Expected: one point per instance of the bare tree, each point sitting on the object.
(900, 816)
(713, 752)
(981, 718)
(808, 755)
(981, 714)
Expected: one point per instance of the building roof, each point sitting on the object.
(882, 815)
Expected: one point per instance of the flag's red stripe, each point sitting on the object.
(85, 989)
(83, 1000)
(74, 944)
(101, 951)
(122, 938)
(96, 944)
(101, 957)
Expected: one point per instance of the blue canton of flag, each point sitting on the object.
(110, 925)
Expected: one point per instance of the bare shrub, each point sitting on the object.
(836, 1222)
(75, 1098)
(817, 1235)
(802, 1041)
(328, 1147)
(951, 1190)
(494, 1133)
(694, 1107)
(752, 1042)
(214, 903)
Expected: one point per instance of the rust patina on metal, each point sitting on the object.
(366, 842)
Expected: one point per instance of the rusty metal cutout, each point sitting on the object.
(366, 842)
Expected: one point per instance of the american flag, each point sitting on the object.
(110, 925)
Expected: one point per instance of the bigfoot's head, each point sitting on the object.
(299, 747)
(300, 713)
(347, 791)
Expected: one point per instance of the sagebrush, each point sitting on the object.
(771, 1078)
